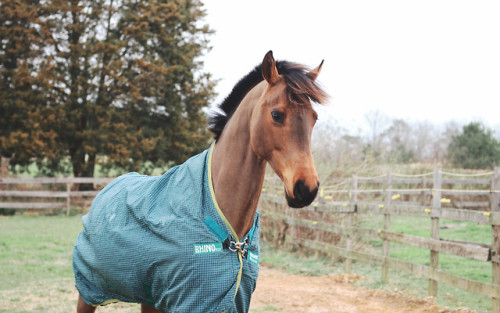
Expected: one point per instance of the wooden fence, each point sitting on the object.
(473, 198)
(41, 198)
(435, 196)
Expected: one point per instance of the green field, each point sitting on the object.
(36, 273)
(465, 231)
(465, 267)
(35, 261)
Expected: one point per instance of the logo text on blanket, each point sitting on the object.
(252, 257)
(201, 248)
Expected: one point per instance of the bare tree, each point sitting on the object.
(377, 124)
(325, 141)
(439, 148)
(398, 140)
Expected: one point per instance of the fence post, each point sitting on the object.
(423, 195)
(4, 172)
(319, 216)
(495, 207)
(353, 201)
(436, 206)
(387, 226)
(293, 231)
(68, 197)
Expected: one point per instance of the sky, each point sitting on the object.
(426, 60)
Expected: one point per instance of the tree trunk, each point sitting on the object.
(4, 167)
(83, 166)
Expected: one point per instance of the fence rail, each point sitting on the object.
(9, 199)
(428, 196)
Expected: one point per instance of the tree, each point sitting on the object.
(398, 137)
(424, 134)
(23, 81)
(125, 84)
(474, 148)
(442, 140)
(377, 122)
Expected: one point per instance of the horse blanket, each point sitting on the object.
(163, 241)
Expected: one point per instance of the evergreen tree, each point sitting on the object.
(125, 83)
(474, 148)
(24, 76)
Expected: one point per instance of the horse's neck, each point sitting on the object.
(237, 173)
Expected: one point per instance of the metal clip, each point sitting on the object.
(239, 246)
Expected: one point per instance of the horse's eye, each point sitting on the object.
(278, 116)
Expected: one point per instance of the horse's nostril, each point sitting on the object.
(302, 193)
(298, 190)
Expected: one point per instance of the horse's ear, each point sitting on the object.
(313, 74)
(269, 70)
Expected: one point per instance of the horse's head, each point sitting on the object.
(281, 127)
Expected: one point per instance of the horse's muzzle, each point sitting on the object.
(302, 195)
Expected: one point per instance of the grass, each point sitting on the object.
(460, 266)
(293, 263)
(35, 248)
(36, 273)
(449, 296)
(465, 231)
(35, 260)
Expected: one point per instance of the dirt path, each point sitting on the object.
(281, 292)
(276, 292)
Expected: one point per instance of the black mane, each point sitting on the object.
(300, 88)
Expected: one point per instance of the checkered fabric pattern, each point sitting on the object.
(140, 238)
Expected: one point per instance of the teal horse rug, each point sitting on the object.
(163, 241)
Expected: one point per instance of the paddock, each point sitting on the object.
(36, 273)
(332, 226)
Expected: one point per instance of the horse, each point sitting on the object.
(196, 227)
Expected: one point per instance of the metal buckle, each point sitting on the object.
(239, 246)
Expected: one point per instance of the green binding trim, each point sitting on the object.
(106, 302)
(212, 192)
(250, 233)
(214, 200)
(216, 229)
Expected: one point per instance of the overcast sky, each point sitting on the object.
(432, 60)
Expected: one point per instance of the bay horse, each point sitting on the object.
(195, 229)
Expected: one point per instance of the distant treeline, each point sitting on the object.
(471, 146)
